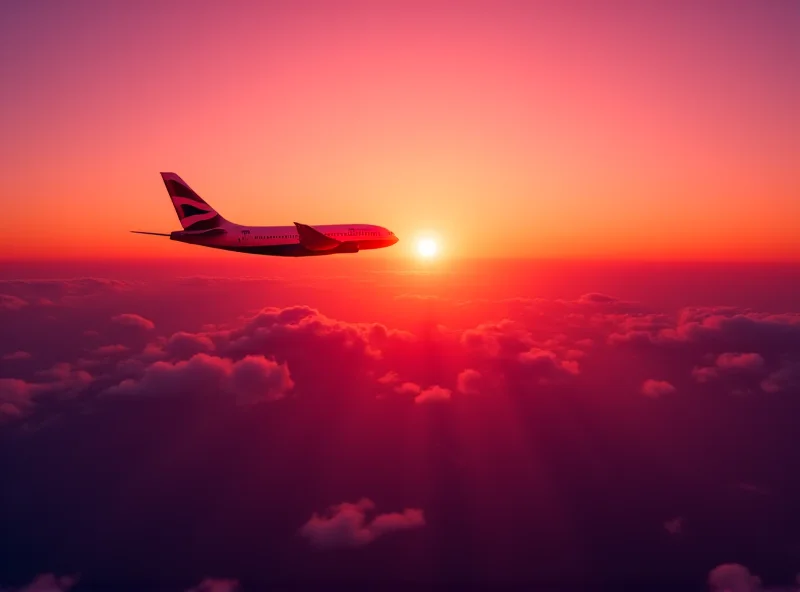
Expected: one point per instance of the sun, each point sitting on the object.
(427, 247)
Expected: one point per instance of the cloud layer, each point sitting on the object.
(200, 438)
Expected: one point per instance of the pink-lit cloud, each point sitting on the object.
(738, 361)
(15, 398)
(468, 382)
(49, 582)
(547, 362)
(183, 345)
(250, 380)
(408, 389)
(786, 377)
(657, 388)
(111, 350)
(390, 377)
(134, 320)
(11, 303)
(17, 355)
(433, 394)
(216, 585)
(733, 577)
(347, 525)
(65, 373)
(73, 291)
(730, 363)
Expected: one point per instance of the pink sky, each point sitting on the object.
(528, 129)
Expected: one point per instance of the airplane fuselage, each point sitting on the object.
(285, 241)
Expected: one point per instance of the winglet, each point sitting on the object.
(314, 240)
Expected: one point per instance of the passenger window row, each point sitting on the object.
(294, 236)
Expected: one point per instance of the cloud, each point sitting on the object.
(705, 374)
(15, 398)
(9, 302)
(657, 388)
(717, 329)
(215, 585)
(49, 583)
(296, 329)
(596, 298)
(65, 374)
(204, 280)
(574, 354)
(730, 363)
(504, 339)
(587, 305)
(735, 330)
(674, 526)
(468, 382)
(509, 350)
(256, 379)
(787, 377)
(47, 292)
(390, 377)
(133, 320)
(111, 350)
(252, 379)
(433, 394)
(18, 355)
(547, 363)
(346, 525)
(183, 345)
(408, 388)
(326, 355)
(736, 361)
(732, 577)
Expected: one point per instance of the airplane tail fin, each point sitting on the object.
(193, 212)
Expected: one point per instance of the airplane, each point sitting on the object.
(204, 226)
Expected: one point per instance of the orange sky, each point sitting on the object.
(519, 129)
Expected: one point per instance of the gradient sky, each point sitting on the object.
(541, 129)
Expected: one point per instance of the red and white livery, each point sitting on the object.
(204, 226)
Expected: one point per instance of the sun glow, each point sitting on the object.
(427, 247)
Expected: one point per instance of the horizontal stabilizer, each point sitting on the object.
(209, 232)
(314, 240)
(145, 232)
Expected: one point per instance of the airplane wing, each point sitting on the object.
(209, 232)
(314, 240)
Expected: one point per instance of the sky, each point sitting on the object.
(594, 384)
(571, 129)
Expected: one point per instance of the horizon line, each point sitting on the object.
(398, 258)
